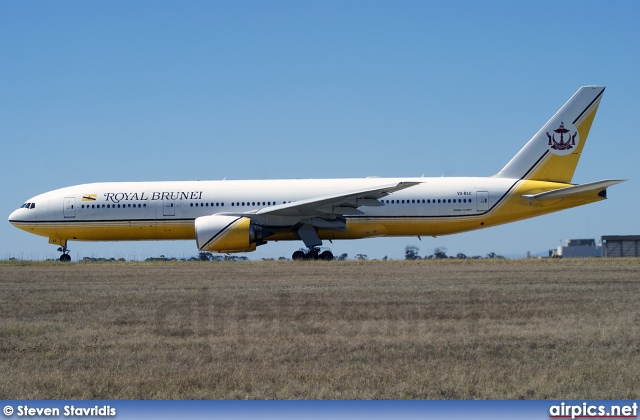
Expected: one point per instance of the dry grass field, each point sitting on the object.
(500, 329)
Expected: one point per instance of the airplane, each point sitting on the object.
(237, 216)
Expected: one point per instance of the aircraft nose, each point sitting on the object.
(15, 216)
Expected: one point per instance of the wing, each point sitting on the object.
(329, 207)
(304, 217)
(340, 204)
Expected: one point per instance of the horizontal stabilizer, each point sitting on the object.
(576, 189)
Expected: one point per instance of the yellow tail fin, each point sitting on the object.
(553, 153)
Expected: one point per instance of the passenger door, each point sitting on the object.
(169, 207)
(69, 208)
(482, 198)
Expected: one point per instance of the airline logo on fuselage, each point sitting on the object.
(564, 139)
(89, 197)
(116, 197)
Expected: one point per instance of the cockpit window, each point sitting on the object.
(33, 205)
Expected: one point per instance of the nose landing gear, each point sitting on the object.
(65, 257)
(314, 253)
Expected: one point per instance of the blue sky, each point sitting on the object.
(155, 90)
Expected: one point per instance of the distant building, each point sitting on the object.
(621, 246)
(577, 248)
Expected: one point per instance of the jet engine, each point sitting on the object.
(218, 233)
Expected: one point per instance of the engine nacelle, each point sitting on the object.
(225, 234)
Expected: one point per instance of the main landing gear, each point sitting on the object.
(312, 254)
(309, 236)
(65, 257)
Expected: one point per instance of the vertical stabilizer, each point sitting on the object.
(553, 153)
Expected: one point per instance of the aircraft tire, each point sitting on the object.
(65, 257)
(326, 256)
(312, 255)
(298, 256)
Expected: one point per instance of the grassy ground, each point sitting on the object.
(561, 329)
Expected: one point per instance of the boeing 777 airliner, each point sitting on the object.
(237, 216)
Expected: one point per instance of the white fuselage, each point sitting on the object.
(178, 200)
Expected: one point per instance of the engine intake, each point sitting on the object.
(226, 234)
